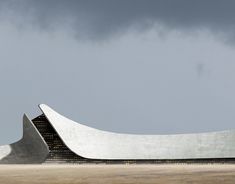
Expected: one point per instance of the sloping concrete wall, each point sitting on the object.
(31, 149)
(96, 144)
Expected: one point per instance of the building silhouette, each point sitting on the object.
(53, 138)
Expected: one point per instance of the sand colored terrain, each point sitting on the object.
(113, 174)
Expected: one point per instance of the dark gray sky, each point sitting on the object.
(149, 67)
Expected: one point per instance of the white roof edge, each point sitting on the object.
(43, 108)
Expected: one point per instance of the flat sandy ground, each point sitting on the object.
(112, 174)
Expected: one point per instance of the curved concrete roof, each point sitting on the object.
(97, 144)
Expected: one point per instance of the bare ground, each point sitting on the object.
(113, 174)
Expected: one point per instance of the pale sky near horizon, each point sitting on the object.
(147, 67)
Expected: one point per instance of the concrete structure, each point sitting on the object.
(31, 149)
(52, 137)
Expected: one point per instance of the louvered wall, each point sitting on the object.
(59, 153)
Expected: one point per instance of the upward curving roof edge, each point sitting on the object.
(98, 144)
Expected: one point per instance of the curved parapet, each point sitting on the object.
(97, 144)
(31, 149)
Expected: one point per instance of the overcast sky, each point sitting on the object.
(133, 66)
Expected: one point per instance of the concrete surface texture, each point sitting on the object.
(97, 144)
(29, 150)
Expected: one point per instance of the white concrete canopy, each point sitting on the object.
(97, 144)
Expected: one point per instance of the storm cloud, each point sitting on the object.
(141, 66)
(104, 18)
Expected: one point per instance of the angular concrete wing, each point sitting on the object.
(97, 144)
(31, 149)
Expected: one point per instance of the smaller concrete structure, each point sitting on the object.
(31, 149)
